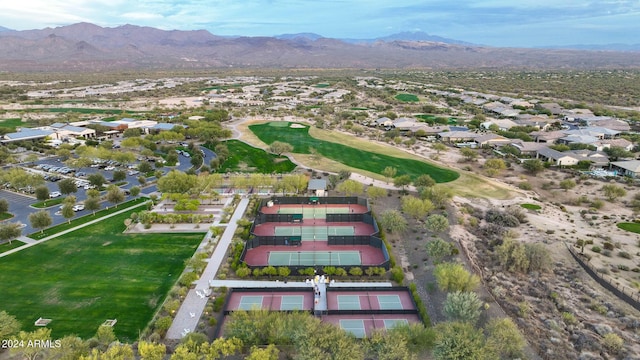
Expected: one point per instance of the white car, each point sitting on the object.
(55, 194)
(78, 207)
(109, 168)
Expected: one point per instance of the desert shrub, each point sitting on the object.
(355, 271)
(397, 274)
(188, 278)
(612, 342)
(623, 267)
(243, 272)
(596, 249)
(608, 246)
(525, 186)
(569, 318)
(462, 306)
(218, 303)
(329, 270)
(341, 272)
(501, 218)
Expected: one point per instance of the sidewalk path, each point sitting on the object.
(289, 284)
(187, 317)
(36, 242)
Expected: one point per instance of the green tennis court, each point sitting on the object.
(391, 323)
(310, 233)
(314, 212)
(356, 327)
(250, 302)
(312, 258)
(291, 302)
(349, 302)
(389, 302)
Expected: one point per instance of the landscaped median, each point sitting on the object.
(303, 143)
(85, 219)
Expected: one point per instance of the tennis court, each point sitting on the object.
(356, 327)
(349, 302)
(311, 233)
(250, 302)
(391, 323)
(390, 302)
(312, 258)
(314, 212)
(291, 302)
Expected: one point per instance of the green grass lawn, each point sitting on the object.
(246, 158)
(5, 216)
(6, 246)
(407, 98)
(531, 206)
(11, 123)
(93, 274)
(85, 219)
(633, 227)
(49, 203)
(356, 158)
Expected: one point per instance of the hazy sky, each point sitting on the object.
(521, 23)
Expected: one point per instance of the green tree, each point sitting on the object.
(613, 192)
(383, 345)
(67, 212)
(40, 220)
(270, 352)
(350, 187)
(92, 204)
(567, 184)
(534, 166)
(119, 175)
(439, 147)
(617, 152)
(135, 191)
(104, 337)
(512, 256)
(97, 180)
(177, 182)
(115, 195)
(438, 249)
(415, 207)
(504, 339)
(71, 348)
(374, 192)
(439, 195)
(389, 172)
(279, 147)
(459, 341)
(32, 352)
(67, 186)
(4, 206)
(454, 277)
(494, 167)
(464, 306)
(9, 232)
(42, 193)
(9, 325)
(436, 223)
(151, 351)
(145, 167)
(393, 221)
(423, 181)
(468, 154)
(402, 181)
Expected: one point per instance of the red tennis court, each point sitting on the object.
(259, 256)
(363, 325)
(271, 300)
(369, 300)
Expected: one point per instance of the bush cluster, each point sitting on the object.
(501, 218)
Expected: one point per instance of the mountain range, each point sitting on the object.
(88, 47)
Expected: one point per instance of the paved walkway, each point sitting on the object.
(36, 242)
(187, 317)
(289, 284)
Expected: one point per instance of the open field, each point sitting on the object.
(10, 246)
(93, 274)
(246, 158)
(358, 158)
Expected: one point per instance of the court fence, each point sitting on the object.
(272, 291)
(330, 200)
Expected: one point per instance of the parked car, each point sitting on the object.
(109, 168)
(55, 194)
(78, 207)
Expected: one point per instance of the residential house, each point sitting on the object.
(556, 157)
(629, 168)
(528, 148)
(502, 124)
(491, 140)
(547, 136)
(384, 122)
(607, 143)
(554, 108)
(458, 136)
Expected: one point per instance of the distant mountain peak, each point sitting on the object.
(2, 28)
(310, 36)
